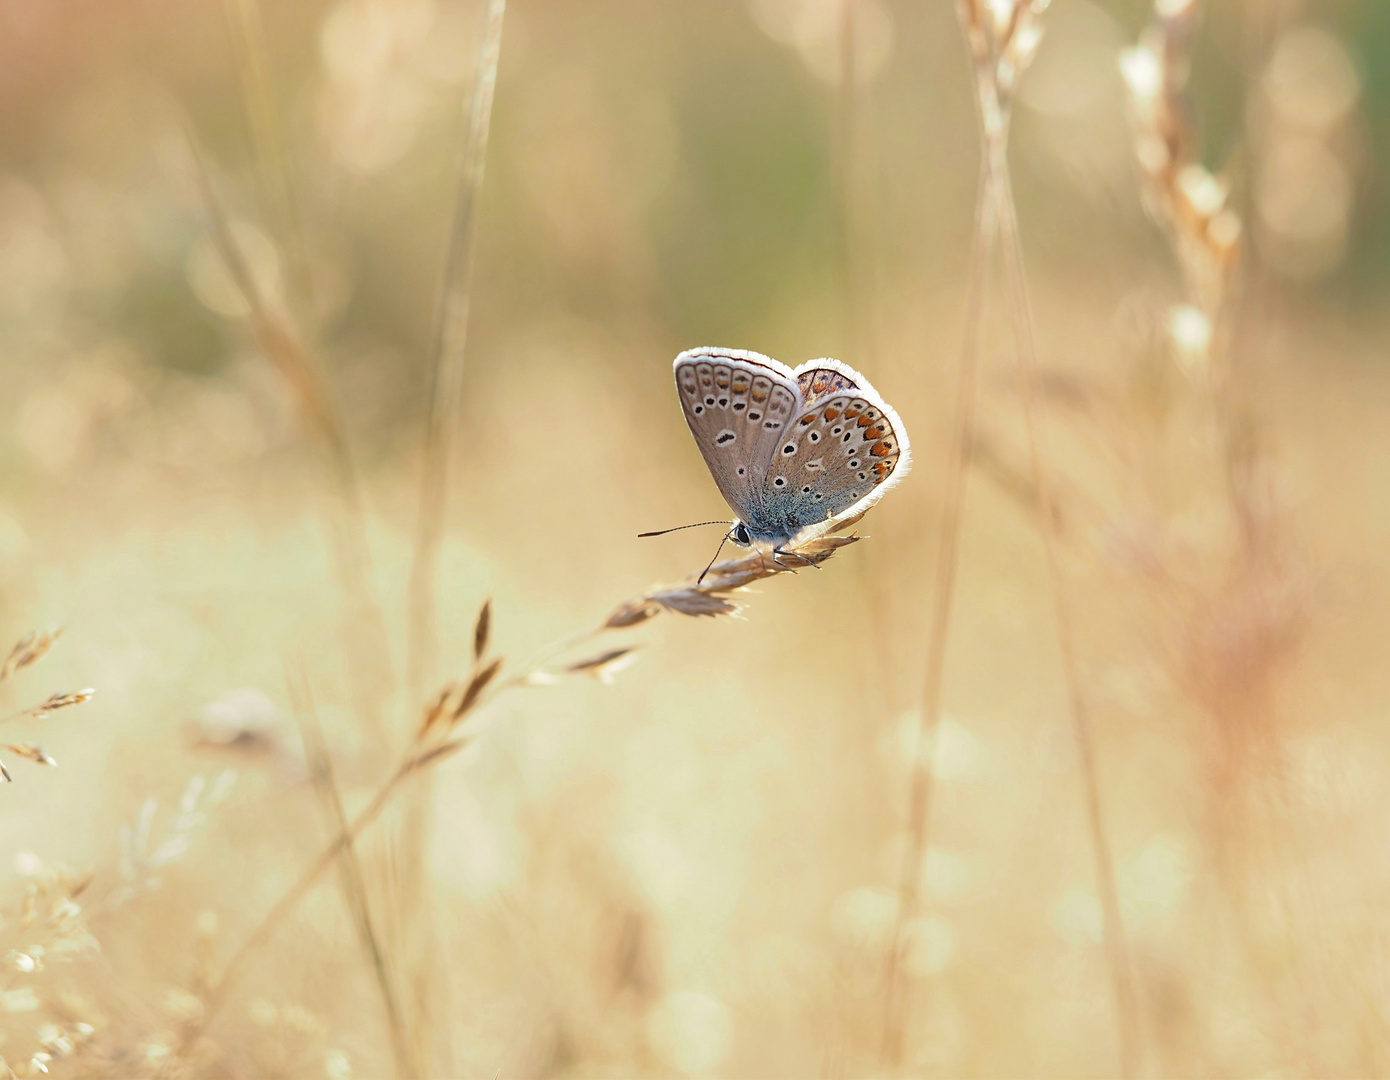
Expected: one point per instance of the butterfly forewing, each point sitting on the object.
(737, 407)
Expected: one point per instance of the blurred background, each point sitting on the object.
(692, 871)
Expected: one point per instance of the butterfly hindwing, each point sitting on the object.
(838, 453)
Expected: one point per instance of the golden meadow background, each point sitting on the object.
(694, 870)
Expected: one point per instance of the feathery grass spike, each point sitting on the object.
(476, 686)
(30, 649)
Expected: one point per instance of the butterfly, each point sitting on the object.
(791, 451)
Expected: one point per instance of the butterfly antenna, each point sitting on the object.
(678, 528)
(717, 550)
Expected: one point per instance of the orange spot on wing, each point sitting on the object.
(875, 432)
(864, 421)
(879, 449)
(830, 414)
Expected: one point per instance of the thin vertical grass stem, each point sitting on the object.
(447, 356)
(354, 883)
(284, 347)
(265, 929)
(277, 189)
(943, 591)
(1021, 320)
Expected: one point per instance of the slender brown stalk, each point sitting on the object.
(1001, 42)
(448, 353)
(282, 345)
(943, 591)
(247, 31)
(447, 367)
(266, 928)
(353, 882)
(443, 733)
(1116, 944)
(847, 122)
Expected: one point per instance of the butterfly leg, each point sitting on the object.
(778, 554)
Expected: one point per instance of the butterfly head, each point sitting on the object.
(739, 535)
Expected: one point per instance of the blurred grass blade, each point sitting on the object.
(282, 345)
(273, 180)
(482, 631)
(447, 355)
(354, 884)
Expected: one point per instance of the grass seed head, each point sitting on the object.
(482, 630)
(62, 700)
(606, 665)
(476, 686)
(30, 649)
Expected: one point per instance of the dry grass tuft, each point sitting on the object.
(29, 650)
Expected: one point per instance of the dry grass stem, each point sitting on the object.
(1002, 39)
(448, 353)
(283, 346)
(273, 179)
(1112, 923)
(353, 881)
(943, 591)
(443, 730)
(712, 594)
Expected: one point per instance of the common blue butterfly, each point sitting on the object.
(790, 451)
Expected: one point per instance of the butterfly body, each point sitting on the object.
(792, 451)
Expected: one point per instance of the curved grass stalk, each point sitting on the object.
(448, 353)
(445, 729)
(1000, 49)
(943, 592)
(1116, 944)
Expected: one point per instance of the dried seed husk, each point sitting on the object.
(482, 631)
